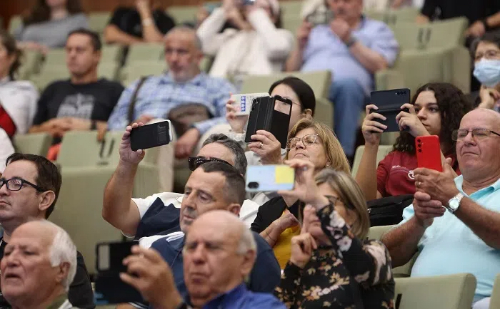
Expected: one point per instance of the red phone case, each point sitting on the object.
(428, 152)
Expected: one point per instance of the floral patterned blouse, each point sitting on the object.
(349, 274)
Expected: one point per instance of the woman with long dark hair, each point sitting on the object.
(436, 109)
(49, 23)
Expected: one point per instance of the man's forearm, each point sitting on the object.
(112, 34)
(294, 61)
(402, 241)
(483, 222)
(150, 33)
(117, 208)
(371, 60)
(493, 21)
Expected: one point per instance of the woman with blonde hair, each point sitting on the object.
(332, 265)
(276, 220)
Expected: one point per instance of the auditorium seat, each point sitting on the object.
(383, 150)
(33, 143)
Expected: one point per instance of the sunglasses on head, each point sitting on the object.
(195, 162)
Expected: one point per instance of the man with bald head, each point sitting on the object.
(455, 221)
(219, 253)
(38, 266)
(183, 88)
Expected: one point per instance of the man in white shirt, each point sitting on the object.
(159, 214)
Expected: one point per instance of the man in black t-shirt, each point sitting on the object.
(84, 102)
(28, 191)
(141, 24)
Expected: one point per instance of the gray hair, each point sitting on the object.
(247, 241)
(240, 160)
(187, 31)
(62, 250)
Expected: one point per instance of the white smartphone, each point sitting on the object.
(269, 178)
(243, 102)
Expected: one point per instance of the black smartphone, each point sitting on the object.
(264, 117)
(389, 104)
(109, 288)
(152, 135)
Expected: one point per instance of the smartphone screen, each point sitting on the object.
(269, 178)
(152, 135)
(428, 152)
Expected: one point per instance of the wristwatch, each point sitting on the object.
(454, 203)
(351, 42)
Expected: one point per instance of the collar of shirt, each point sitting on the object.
(227, 300)
(60, 302)
(197, 80)
(459, 181)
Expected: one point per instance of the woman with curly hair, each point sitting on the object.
(436, 109)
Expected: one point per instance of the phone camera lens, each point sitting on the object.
(419, 150)
(253, 185)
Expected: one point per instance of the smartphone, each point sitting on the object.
(389, 104)
(152, 135)
(269, 178)
(243, 102)
(109, 288)
(428, 152)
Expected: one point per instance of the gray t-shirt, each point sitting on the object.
(53, 33)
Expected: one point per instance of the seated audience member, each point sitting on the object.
(267, 149)
(219, 253)
(353, 47)
(83, 102)
(38, 266)
(215, 185)
(276, 220)
(455, 221)
(159, 214)
(266, 46)
(17, 98)
(483, 15)
(486, 53)
(436, 109)
(141, 23)
(6, 149)
(49, 23)
(29, 188)
(333, 233)
(183, 88)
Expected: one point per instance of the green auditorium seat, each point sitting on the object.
(98, 21)
(16, 21)
(33, 143)
(183, 13)
(383, 150)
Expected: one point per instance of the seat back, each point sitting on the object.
(31, 64)
(16, 21)
(454, 291)
(394, 17)
(34, 143)
(98, 21)
(55, 57)
(382, 152)
(134, 71)
(81, 149)
(145, 52)
(111, 53)
(495, 295)
(49, 75)
(183, 13)
(318, 80)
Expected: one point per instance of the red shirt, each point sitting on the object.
(6, 123)
(395, 173)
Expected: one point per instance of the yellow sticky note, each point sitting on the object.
(283, 175)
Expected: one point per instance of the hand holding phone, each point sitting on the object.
(389, 103)
(428, 152)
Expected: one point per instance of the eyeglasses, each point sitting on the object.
(307, 140)
(195, 162)
(491, 54)
(15, 184)
(477, 133)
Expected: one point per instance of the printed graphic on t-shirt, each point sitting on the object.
(79, 105)
(402, 170)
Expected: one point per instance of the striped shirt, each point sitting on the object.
(160, 94)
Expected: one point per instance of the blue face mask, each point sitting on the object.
(488, 72)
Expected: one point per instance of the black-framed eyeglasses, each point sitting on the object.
(195, 162)
(306, 140)
(15, 184)
(477, 133)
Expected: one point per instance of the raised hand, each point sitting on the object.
(126, 153)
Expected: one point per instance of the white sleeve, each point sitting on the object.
(6, 149)
(248, 212)
(208, 32)
(143, 204)
(279, 42)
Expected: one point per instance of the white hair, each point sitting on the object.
(247, 241)
(62, 250)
